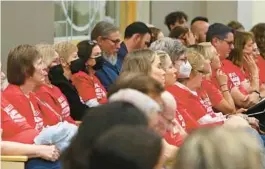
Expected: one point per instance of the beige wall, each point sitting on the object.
(25, 22)
(246, 12)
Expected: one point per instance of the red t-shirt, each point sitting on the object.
(192, 103)
(234, 74)
(58, 102)
(261, 66)
(14, 125)
(27, 107)
(89, 87)
(212, 91)
(185, 119)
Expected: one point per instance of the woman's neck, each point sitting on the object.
(91, 71)
(67, 73)
(28, 87)
(189, 85)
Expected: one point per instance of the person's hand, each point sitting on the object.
(50, 153)
(251, 65)
(253, 122)
(190, 38)
(252, 99)
(241, 110)
(221, 77)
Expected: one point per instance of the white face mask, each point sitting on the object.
(184, 70)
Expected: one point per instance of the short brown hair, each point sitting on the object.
(20, 63)
(138, 81)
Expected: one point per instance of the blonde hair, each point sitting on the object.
(196, 60)
(163, 55)
(206, 50)
(48, 53)
(219, 147)
(65, 49)
(139, 61)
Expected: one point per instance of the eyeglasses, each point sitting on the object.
(92, 42)
(117, 41)
(230, 43)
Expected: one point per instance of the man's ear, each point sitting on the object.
(99, 39)
(136, 36)
(172, 26)
(215, 41)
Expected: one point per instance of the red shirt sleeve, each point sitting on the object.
(84, 85)
(14, 125)
(213, 92)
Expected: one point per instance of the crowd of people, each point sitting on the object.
(149, 101)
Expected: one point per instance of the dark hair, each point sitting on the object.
(199, 18)
(20, 63)
(173, 17)
(154, 33)
(235, 25)
(95, 122)
(259, 33)
(178, 31)
(136, 27)
(126, 148)
(137, 81)
(217, 30)
(85, 48)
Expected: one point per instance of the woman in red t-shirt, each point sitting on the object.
(87, 84)
(244, 64)
(51, 94)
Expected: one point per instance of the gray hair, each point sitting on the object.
(103, 29)
(171, 46)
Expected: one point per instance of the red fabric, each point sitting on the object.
(234, 74)
(14, 125)
(23, 105)
(212, 91)
(89, 87)
(261, 66)
(188, 122)
(58, 102)
(175, 139)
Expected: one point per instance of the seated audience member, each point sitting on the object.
(232, 148)
(222, 39)
(87, 84)
(49, 93)
(242, 57)
(136, 36)
(221, 100)
(108, 38)
(174, 19)
(236, 26)
(96, 122)
(156, 33)
(60, 76)
(25, 74)
(199, 28)
(176, 53)
(147, 85)
(259, 35)
(183, 34)
(123, 147)
(21, 120)
(144, 61)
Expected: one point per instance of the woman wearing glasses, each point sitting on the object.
(87, 84)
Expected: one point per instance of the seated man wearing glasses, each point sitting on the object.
(108, 68)
(222, 38)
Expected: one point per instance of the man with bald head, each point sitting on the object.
(199, 27)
